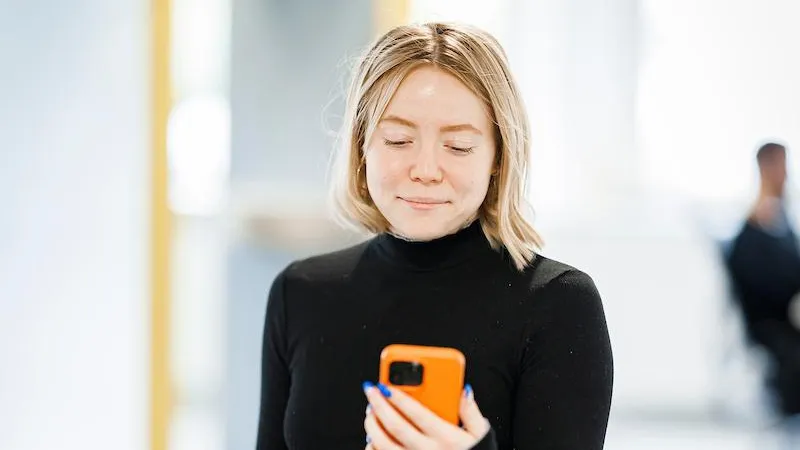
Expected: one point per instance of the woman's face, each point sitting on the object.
(430, 160)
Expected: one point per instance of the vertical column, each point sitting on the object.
(160, 393)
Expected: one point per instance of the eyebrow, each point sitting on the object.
(446, 128)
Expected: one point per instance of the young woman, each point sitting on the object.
(433, 162)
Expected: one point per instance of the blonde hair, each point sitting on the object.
(475, 58)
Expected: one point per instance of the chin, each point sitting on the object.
(419, 230)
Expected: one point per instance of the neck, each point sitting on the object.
(393, 232)
(442, 252)
(768, 191)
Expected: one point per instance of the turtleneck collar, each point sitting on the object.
(439, 253)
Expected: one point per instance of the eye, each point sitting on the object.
(464, 150)
(391, 143)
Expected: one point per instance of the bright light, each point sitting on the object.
(199, 157)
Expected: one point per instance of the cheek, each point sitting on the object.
(472, 184)
(383, 172)
(480, 187)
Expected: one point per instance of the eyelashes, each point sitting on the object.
(403, 143)
(461, 149)
(391, 143)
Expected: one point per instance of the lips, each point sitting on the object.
(423, 203)
(424, 200)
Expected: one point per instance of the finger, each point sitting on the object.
(377, 437)
(423, 418)
(471, 416)
(395, 424)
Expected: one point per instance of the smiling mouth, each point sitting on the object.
(423, 203)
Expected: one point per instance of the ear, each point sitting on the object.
(497, 163)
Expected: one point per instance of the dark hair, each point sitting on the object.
(768, 151)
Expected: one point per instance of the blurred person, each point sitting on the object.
(764, 264)
(433, 162)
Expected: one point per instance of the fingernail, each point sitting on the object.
(467, 390)
(384, 390)
(369, 439)
(366, 386)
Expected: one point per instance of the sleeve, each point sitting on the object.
(564, 393)
(487, 443)
(275, 378)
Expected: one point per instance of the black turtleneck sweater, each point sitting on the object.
(536, 343)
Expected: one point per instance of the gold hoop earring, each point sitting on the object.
(362, 184)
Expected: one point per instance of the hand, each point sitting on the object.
(395, 421)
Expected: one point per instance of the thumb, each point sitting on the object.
(472, 418)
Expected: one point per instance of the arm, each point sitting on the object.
(275, 378)
(564, 393)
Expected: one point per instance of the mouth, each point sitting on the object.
(423, 202)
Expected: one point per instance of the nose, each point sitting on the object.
(425, 168)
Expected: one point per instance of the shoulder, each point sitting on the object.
(565, 312)
(545, 273)
(304, 282)
(323, 268)
(556, 285)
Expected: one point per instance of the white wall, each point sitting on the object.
(73, 224)
(717, 79)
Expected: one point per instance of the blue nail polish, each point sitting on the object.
(467, 390)
(369, 440)
(366, 385)
(384, 390)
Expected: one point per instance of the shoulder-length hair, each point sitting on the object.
(475, 58)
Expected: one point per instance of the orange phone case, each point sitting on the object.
(442, 376)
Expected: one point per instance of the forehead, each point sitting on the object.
(429, 95)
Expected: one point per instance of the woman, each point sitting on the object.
(433, 162)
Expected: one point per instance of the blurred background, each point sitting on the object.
(162, 160)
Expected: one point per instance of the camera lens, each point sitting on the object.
(406, 373)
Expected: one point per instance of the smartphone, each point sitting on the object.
(434, 376)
